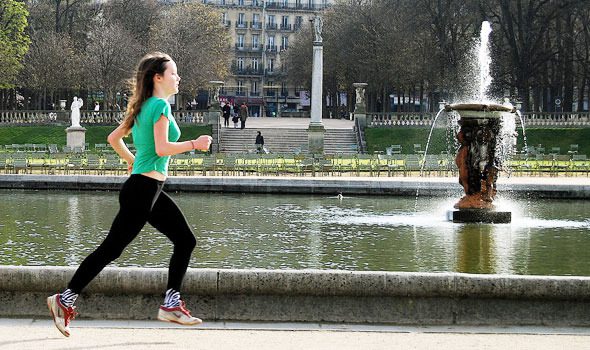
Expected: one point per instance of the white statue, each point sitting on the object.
(317, 26)
(75, 107)
(360, 95)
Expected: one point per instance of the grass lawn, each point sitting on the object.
(377, 138)
(94, 134)
(380, 138)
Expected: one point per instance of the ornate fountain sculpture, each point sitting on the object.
(478, 161)
(479, 158)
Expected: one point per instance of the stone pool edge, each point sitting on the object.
(539, 187)
(402, 298)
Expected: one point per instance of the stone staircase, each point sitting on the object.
(285, 140)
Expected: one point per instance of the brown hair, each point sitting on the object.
(142, 84)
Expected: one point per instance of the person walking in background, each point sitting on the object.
(244, 113)
(142, 200)
(236, 117)
(259, 143)
(226, 109)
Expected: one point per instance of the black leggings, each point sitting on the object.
(141, 200)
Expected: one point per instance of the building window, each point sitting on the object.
(241, 20)
(271, 65)
(255, 64)
(254, 87)
(284, 43)
(271, 22)
(270, 44)
(240, 88)
(256, 21)
(255, 41)
(240, 2)
(240, 41)
(240, 63)
(285, 22)
(284, 89)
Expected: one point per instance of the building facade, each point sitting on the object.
(261, 31)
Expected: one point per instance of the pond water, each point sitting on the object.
(546, 237)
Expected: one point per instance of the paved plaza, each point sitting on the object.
(41, 334)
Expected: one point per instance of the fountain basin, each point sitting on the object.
(480, 110)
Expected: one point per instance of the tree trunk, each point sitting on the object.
(568, 64)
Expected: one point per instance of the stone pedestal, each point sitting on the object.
(360, 107)
(315, 136)
(76, 137)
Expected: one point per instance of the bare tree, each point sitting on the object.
(193, 35)
(50, 66)
(110, 56)
(135, 16)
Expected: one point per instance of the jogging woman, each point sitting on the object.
(155, 134)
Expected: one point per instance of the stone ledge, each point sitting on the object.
(448, 187)
(312, 295)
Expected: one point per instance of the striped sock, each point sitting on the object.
(68, 298)
(172, 298)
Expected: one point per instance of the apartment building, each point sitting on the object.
(261, 31)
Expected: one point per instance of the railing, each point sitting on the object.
(86, 117)
(400, 119)
(256, 25)
(531, 119)
(563, 119)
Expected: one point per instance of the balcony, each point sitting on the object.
(271, 48)
(256, 25)
(284, 48)
(286, 27)
(296, 6)
(248, 48)
(241, 25)
(271, 26)
(226, 23)
(247, 71)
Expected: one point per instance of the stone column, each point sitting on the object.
(316, 129)
(360, 107)
(76, 137)
(214, 114)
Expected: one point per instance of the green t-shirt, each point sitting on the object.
(146, 158)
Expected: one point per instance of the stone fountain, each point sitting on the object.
(480, 155)
(478, 161)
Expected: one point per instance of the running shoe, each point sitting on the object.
(61, 315)
(178, 314)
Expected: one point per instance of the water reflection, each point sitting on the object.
(475, 249)
(278, 232)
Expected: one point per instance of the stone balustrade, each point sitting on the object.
(531, 119)
(86, 117)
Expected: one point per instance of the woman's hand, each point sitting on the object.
(202, 143)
